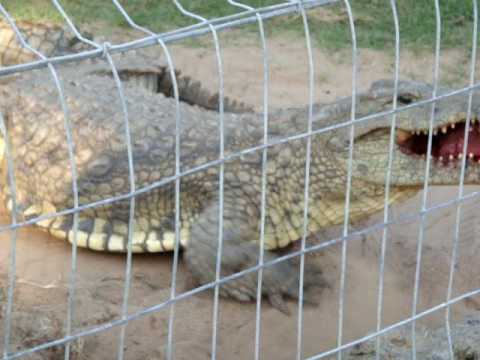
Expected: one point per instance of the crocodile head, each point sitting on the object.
(372, 137)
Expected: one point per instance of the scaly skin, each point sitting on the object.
(54, 40)
(50, 39)
(43, 177)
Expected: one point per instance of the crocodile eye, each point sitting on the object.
(100, 166)
(406, 99)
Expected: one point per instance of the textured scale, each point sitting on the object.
(49, 39)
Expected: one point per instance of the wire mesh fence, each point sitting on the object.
(401, 105)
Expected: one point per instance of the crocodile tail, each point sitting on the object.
(51, 39)
(192, 92)
(157, 79)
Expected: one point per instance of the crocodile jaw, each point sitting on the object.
(371, 154)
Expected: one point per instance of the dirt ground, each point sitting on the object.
(43, 263)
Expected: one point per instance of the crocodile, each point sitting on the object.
(138, 69)
(36, 138)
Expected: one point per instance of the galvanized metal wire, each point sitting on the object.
(263, 195)
(458, 214)
(221, 181)
(247, 14)
(421, 232)
(388, 177)
(306, 197)
(348, 189)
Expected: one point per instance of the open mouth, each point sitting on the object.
(447, 142)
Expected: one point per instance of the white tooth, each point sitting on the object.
(470, 128)
(459, 156)
(440, 158)
(452, 126)
(450, 157)
(470, 155)
(444, 129)
(435, 132)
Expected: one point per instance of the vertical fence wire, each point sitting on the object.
(178, 120)
(264, 175)
(427, 176)
(73, 271)
(221, 175)
(421, 232)
(388, 177)
(458, 214)
(131, 213)
(131, 171)
(13, 237)
(72, 26)
(341, 302)
(306, 197)
(73, 169)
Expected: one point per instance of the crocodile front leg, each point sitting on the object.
(240, 251)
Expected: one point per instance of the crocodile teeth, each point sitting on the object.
(440, 158)
(435, 132)
(452, 125)
(470, 155)
(450, 157)
(444, 129)
(459, 156)
(402, 136)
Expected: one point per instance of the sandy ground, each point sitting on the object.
(43, 264)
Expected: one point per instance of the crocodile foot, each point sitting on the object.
(280, 280)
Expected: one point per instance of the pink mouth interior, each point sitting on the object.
(445, 146)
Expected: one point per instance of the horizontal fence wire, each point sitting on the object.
(246, 14)
(221, 24)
